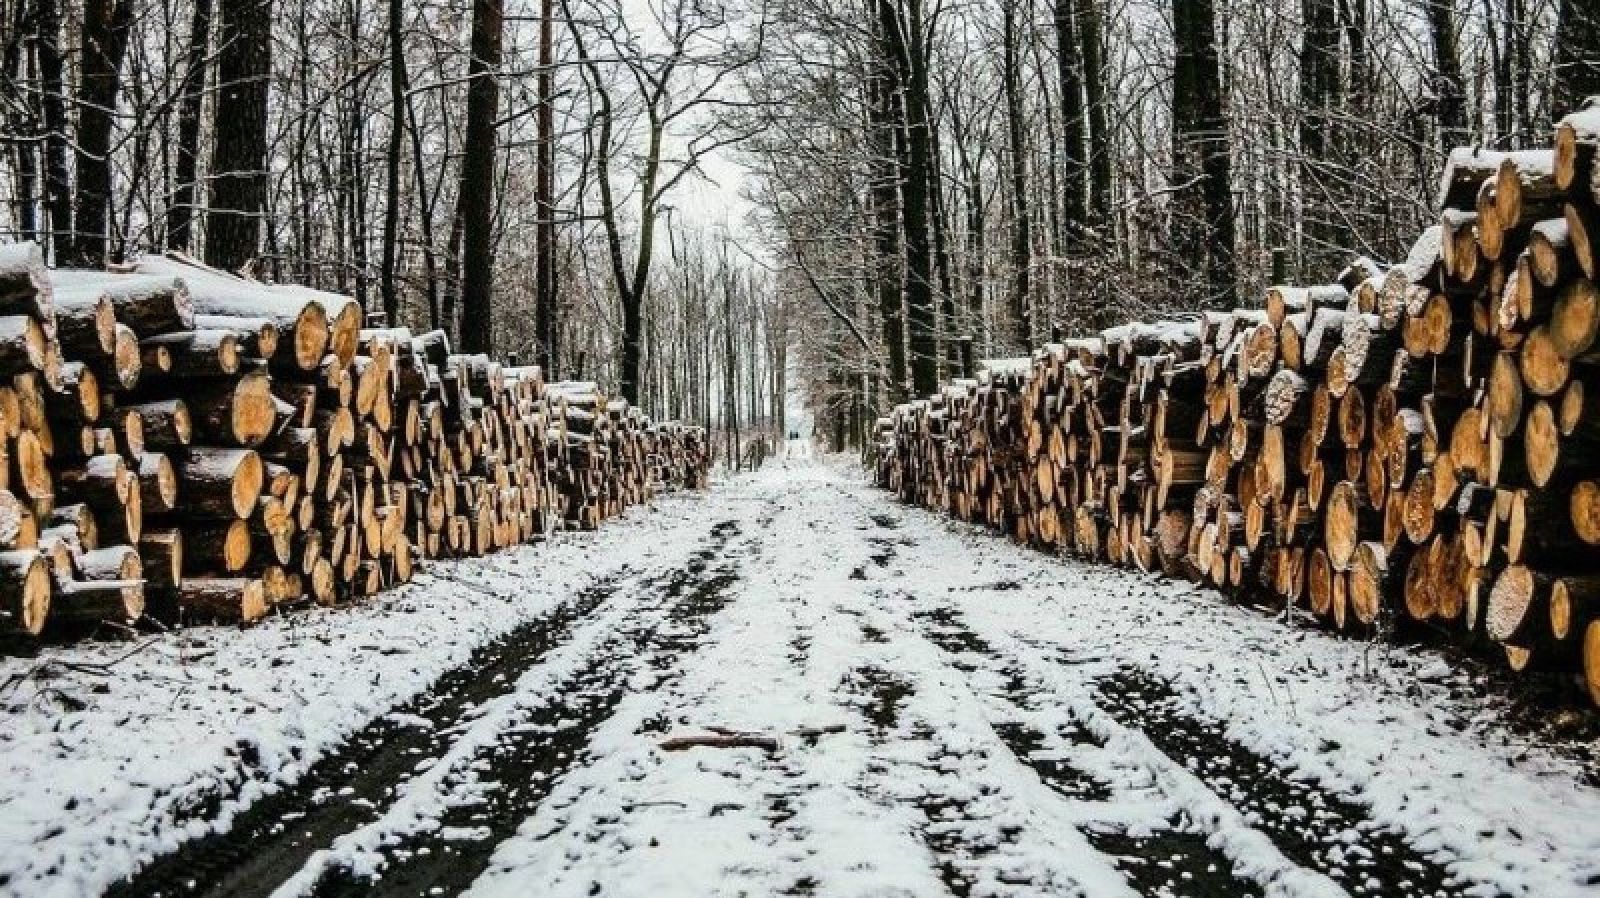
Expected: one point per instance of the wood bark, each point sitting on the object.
(237, 174)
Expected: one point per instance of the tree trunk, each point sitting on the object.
(886, 274)
(430, 264)
(1202, 168)
(632, 351)
(1577, 54)
(972, 197)
(545, 178)
(1520, 29)
(1497, 33)
(57, 173)
(105, 43)
(1451, 91)
(477, 179)
(180, 202)
(1094, 83)
(1074, 169)
(1021, 228)
(904, 43)
(353, 161)
(22, 119)
(238, 172)
(1319, 87)
(449, 310)
(397, 125)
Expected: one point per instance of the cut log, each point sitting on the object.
(1503, 404)
(166, 424)
(238, 413)
(1591, 660)
(218, 547)
(219, 483)
(1465, 171)
(147, 304)
(303, 320)
(1370, 581)
(1551, 260)
(198, 353)
(1574, 601)
(1518, 611)
(1348, 521)
(22, 345)
(1575, 319)
(25, 285)
(1582, 227)
(24, 574)
(162, 553)
(158, 483)
(223, 600)
(1525, 187)
(1544, 369)
(1584, 513)
(1287, 399)
(120, 564)
(1573, 157)
(257, 336)
(83, 602)
(86, 324)
(1536, 530)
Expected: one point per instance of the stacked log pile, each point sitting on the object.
(1412, 447)
(193, 446)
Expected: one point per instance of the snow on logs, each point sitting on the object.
(186, 444)
(1413, 446)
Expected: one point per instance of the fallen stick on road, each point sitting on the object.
(722, 737)
(719, 740)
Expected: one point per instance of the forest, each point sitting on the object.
(556, 447)
(899, 182)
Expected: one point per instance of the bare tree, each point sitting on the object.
(105, 43)
(671, 94)
(180, 208)
(238, 175)
(1577, 54)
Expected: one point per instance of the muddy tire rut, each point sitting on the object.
(1172, 861)
(528, 759)
(1312, 827)
(270, 841)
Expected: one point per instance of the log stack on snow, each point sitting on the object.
(195, 446)
(1413, 445)
(32, 563)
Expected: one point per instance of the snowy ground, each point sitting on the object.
(954, 716)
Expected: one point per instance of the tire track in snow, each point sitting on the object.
(1234, 804)
(270, 841)
(488, 792)
(1173, 860)
(1266, 800)
(1416, 713)
(637, 820)
(880, 697)
(274, 836)
(932, 752)
(983, 835)
(1318, 830)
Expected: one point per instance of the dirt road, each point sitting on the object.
(952, 716)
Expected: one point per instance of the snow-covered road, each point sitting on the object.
(953, 715)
